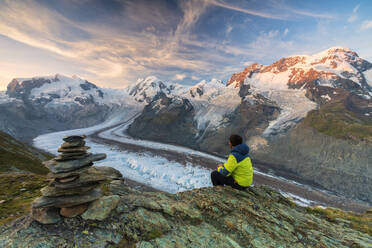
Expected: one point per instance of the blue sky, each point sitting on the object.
(112, 42)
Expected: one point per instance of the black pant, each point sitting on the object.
(219, 179)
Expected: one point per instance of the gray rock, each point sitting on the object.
(109, 172)
(74, 138)
(101, 208)
(46, 215)
(66, 166)
(206, 217)
(54, 192)
(70, 173)
(72, 156)
(67, 201)
(92, 175)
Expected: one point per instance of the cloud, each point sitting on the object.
(285, 32)
(193, 77)
(222, 4)
(179, 77)
(106, 52)
(248, 63)
(229, 28)
(366, 25)
(354, 15)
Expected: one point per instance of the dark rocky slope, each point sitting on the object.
(168, 120)
(331, 147)
(209, 217)
(171, 120)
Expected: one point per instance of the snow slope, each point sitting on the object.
(212, 101)
(368, 76)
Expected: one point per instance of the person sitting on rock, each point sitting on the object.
(237, 172)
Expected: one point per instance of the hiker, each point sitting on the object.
(237, 172)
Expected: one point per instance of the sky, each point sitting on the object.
(112, 43)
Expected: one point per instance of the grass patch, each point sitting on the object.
(336, 120)
(359, 222)
(17, 156)
(17, 193)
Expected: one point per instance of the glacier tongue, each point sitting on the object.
(294, 107)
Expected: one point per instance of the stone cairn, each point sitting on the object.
(75, 182)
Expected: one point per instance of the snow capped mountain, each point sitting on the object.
(52, 91)
(298, 83)
(145, 89)
(336, 67)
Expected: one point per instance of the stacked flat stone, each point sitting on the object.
(74, 182)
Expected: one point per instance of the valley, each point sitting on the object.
(173, 168)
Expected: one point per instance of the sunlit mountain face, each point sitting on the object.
(114, 42)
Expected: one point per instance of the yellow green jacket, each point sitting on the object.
(239, 166)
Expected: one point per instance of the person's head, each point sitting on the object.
(235, 140)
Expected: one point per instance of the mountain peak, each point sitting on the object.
(145, 89)
(336, 67)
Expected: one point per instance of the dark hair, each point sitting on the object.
(236, 139)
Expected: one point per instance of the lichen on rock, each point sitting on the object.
(206, 217)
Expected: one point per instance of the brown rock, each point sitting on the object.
(51, 191)
(67, 179)
(46, 215)
(74, 211)
(76, 143)
(74, 150)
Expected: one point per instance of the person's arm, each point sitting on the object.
(229, 166)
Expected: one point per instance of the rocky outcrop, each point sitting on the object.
(166, 119)
(208, 217)
(75, 184)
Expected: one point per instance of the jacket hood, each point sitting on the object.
(240, 152)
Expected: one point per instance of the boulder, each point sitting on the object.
(101, 208)
(46, 215)
(74, 211)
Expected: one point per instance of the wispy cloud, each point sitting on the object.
(225, 5)
(179, 77)
(354, 14)
(366, 25)
(170, 39)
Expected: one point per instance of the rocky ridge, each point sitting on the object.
(208, 217)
